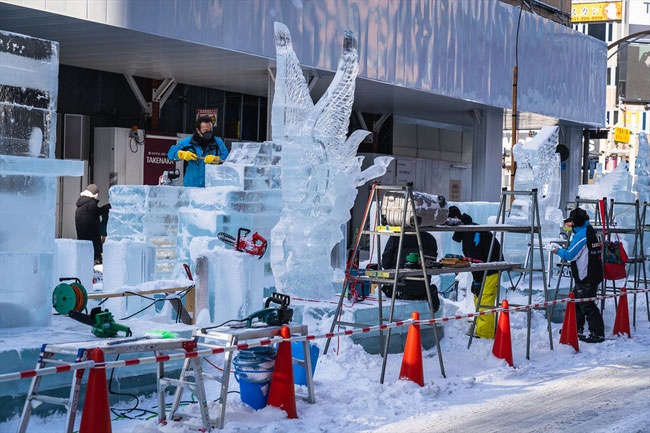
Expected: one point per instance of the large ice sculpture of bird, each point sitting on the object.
(320, 169)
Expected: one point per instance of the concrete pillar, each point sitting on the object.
(571, 137)
(486, 155)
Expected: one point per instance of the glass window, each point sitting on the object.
(232, 113)
(610, 32)
(609, 75)
(615, 117)
(263, 108)
(249, 118)
(597, 31)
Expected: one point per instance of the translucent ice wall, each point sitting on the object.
(28, 176)
(144, 213)
(320, 169)
(616, 184)
(74, 258)
(642, 169)
(230, 283)
(244, 191)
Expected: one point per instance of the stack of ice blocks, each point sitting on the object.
(28, 177)
(242, 192)
(144, 213)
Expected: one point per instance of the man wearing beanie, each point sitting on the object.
(587, 270)
(87, 218)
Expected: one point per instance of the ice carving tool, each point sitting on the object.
(254, 244)
(273, 316)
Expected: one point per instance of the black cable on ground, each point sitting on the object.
(154, 300)
(224, 323)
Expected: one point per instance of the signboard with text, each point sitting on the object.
(596, 12)
(622, 135)
(210, 112)
(155, 158)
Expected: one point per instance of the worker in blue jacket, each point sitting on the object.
(587, 269)
(199, 149)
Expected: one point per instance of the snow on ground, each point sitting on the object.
(604, 387)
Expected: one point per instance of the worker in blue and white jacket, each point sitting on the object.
(584, 253)
(197, 150)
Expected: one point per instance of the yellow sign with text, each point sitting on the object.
(622, 135)
(596, 11)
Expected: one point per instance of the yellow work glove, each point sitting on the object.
(212, 159)
(186, 155)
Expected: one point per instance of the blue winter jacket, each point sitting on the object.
(195, 170)
(584, 255)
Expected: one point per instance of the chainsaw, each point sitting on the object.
(273, 316)
(254, 244)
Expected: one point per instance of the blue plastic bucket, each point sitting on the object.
(299, 373)
(253, 372)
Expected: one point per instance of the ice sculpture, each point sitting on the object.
(28, 178)
(144, 213)
(642, 169)
(538, 166)
(244, 191)
(616, 185)
(320, 169)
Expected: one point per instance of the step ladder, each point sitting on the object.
(192, 376)
(67, 353)
(534, 228)
(398, 273)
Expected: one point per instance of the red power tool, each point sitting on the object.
(254, 245)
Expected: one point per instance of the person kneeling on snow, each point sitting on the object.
(410, 289)
(476, 245)
(587, 270)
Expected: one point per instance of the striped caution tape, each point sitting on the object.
(269, 341)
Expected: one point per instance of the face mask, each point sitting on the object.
(207, 135)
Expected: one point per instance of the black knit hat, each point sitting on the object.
(578, 217)
(454, 212)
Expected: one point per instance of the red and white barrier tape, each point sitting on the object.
(266, 342)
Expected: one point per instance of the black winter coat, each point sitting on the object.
(87, 222)
(476, 245)
(409, 289)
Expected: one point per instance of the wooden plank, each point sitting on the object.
(99, 295)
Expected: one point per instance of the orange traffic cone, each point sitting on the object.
(569, 326)
(96, 414)
(412, 368)
(622, 321)
(502, 348)
(282, 393)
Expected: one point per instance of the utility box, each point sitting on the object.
(118, 158)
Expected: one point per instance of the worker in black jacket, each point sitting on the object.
(410, 289)
(87, 218)
(476, 245)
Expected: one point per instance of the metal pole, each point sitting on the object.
(541, 255)
(378, 241)
(480, 294)
(345, 281)
(407, 194)
(586, 134)
(426, 281)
